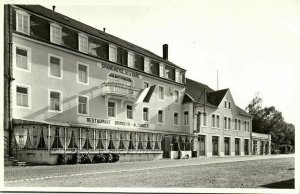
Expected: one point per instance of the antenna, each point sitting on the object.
(217, 80)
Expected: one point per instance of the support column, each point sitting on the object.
(65, 146)
(49, 141)
(80, 139)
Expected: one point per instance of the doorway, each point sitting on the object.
(237, 146)
(215, 145)
(201, 140)
(226, 146)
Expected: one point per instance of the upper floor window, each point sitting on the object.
(113, 53)
(218, 121)
(229, 105)
(55, 33)
(161, 70)
(247, 126)
(160, 116)
(227, 123)
(130, 60)
(55, 101)
(22, 96)
(161, 92)
(237, 124)
(181, 78)
(22, 22)
(146, 114)
(176, 96)
(176, 118)
(82, 105)
(213, 120)
(167, 73)
(147, 65)
(177, 75)
(82, 73)
(22, 61)
(204, 120)
(129, 111)
(146, 84)
(111, 111)
(55, 66)
(83, 43)
(225, 104)
(186, 118)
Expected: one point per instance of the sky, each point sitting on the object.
(254, 45)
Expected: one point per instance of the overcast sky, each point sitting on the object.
(254, 44)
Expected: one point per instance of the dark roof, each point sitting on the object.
(216, 97)
(40, 10)
(194, 89)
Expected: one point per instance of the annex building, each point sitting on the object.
(72, 88)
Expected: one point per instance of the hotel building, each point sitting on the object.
(72, 88)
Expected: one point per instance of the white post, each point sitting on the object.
(65, 139)
(80, 139)
(49, 128)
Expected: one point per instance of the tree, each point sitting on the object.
(270, 120)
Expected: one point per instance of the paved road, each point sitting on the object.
(195, 172)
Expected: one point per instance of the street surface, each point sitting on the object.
(217, 172)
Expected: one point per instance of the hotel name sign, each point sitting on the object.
(119, 70)
(116, 123)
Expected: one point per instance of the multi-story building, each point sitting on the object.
(72, 88)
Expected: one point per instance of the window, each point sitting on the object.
(229, 105)
(129, 112)
(186, 118)
(22, 96)
(112, 53)
(82, 73)
(218, 121)
(161, 70)
(146, 84)
(181, 78)
(247, 126)
(22, 58)
(130, 60)
(82, 105)
(176, 118)
(213, 119)
(83, 43)
(167, 72)
(227, 123)
(176, 96)
(177, 75)
(239, 124)
(161, 93)
(55, 66)
(55, 101)
(225, 104)
(146, 114)
(160, 116)
(204, 119)
(235, 124)
(111, 109)
(147, 65)
(22, 22)
(55, 33)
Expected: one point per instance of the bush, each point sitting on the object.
(283, 149)
(116, 157)
(62, 159)
(179, 154)
(109, 157)
(99, 158)
(85, 159)
(76, 159)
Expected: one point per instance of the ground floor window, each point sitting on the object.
(215, 145)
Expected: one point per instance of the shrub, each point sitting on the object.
(86, 159)
(179, 154)
(116, 157)
(109, 158)
(99, 158)
(76, 159)
(62, 159)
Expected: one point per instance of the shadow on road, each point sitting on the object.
(287, 184)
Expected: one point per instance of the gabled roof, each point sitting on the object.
(40, 10)
(194, 89)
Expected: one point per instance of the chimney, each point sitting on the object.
(103, 29)
(53, 8)
(165, 51)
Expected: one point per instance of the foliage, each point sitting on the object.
(62, 159)
(269, 120)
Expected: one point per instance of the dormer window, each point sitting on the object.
(55, 33)
(130, 59)
(167, 72)
(161, 70)
(22, 22)
(147, 65)
(112, 53)
(177, 75)
(83, 43)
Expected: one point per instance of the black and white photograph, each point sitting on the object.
(196, 96)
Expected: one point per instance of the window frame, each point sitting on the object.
(163, 93)
(177, 75)
(186, 122)
(87, 105)
(178, 119)
(82, 35)
(60, 101)
(147, 83)
(148, 116)
(163, 116)
(61, 66)
(176, 100)
(202, 119)
(23, 13)
(148, 69)
(28, 49)
(28, 96)
(162, 67)
(115, 109)
(87, 73)
(133, 59)
(51, 34)
(112, 46)
(129, 104)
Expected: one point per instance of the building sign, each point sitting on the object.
(116, 123)
(119, 70)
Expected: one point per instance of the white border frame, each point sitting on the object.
(163, 116)
(14, 57)
(148, 114)
(112, 46)
(61, 102)
(28, 93)
(133, 55)
(133, 116)
(116, 109)
(61, 66)
(82, 35)
(87, 72)
(161, 74)
(87, 105)
(57, 26)
(149, 67)
(17, 22)
(188, 123)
